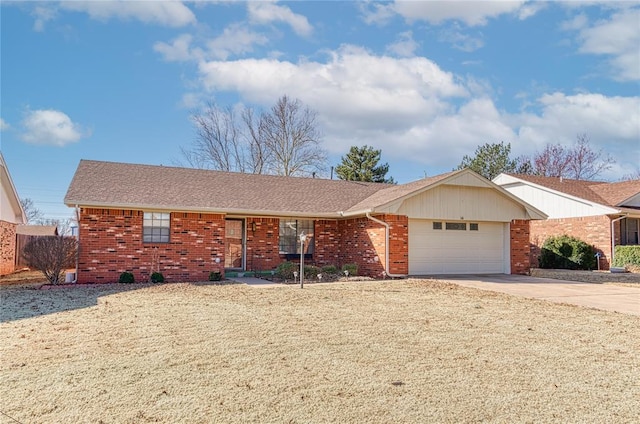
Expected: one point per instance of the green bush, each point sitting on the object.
(627, 255)
(285, 270)
(329, 269)
(157, 277)
(215, 276)
(127, 277)
(566, 252)
(352, 268)
(311, 272)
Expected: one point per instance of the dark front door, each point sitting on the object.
(234, 244)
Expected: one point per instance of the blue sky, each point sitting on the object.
(426, 82)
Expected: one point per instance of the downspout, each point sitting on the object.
(613, 239)
(75, 280)
(386, 247)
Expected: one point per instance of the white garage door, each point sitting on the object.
(441, 247)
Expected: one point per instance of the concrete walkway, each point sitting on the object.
(607, 297)
(254, 282)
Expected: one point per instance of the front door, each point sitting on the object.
(234, 244)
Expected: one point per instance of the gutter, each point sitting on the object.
(386, 247)
(613, 238)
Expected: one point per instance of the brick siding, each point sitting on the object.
(520, 247)
(111, 243)
(594, 230)
(7, 247)
(263, 251)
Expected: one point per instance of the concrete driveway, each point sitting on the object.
(607, 297)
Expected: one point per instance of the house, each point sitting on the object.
(186, 223)
(599, 213)
(11, 215)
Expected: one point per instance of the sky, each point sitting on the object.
(426, 82)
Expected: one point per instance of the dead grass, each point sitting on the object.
(631, 279)
(409, 351)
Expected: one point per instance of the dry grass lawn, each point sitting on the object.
(412, 351)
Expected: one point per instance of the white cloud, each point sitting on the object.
(4, 125)
(376, 13)
(179, 50)
(43, 14)
(405, 46)
(266, 12)
(50, 127)
(617, 37)
(170, 13)
(472, 13)
(236, 39)
(460, 40)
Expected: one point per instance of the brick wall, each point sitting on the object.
(111, 243)
(327, 243)
(519, 232)
(262, 244)
(594, 230)
(7, 247)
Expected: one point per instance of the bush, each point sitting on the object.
(352, 268)
(126, 277)
(627, 255)
(157, 277)
(311, 272)
(566, 252)
(329, 269)
(285, 270)
(51, 255)
(215, 276)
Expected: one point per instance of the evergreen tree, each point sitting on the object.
(361, 164)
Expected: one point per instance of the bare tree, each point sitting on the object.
(33, 214)
(51, 255)
(292, 138)
(218, 143)
(283, 141)
(635, 175)
(578, 161)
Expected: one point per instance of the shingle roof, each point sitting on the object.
(97, 183)
(604, 193)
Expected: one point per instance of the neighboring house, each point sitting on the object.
(599, 213)
(11, 214)
(24, 234)
(186, 223)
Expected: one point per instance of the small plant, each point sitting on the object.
(329, 269)
(215, 276)
(566, 252)
(286, 269)
(352, 269)
(127, 278)
(311, 272)
(157, 277)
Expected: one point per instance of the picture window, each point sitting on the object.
(290, 230)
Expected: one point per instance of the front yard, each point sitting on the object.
(403, 351)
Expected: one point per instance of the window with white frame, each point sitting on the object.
(290, 230)
(156, 226)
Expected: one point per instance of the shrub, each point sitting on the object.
(157, 277)
(51, 255)
(566, 252)
(352, 268)
(285, 270)
(311, 272)
(215, 276)
(329, 269)
(126, 277)
(627, 255)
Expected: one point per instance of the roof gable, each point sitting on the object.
(10, 207)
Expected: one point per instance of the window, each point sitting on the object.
(460, 226)
(290, 230)
(437, 225)
(473, 226)
(629, 233)
(155, 228)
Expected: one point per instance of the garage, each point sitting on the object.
(458, 247)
